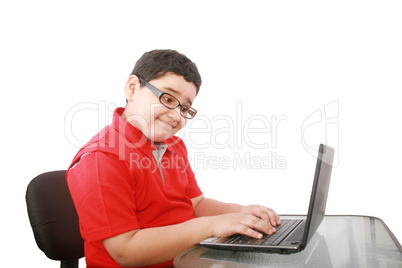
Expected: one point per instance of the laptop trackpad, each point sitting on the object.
(297, 234)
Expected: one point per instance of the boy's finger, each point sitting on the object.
(265, 226)
(274, 218)
(270, 216)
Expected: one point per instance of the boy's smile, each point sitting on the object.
(145, 112)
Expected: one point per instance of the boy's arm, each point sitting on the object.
(160, 244)
(210, 207)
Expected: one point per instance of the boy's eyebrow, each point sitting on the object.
(178, 93)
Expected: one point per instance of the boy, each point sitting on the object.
(136, 196)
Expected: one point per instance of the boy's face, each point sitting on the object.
(146, 113)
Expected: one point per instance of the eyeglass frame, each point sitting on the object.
(159, 94)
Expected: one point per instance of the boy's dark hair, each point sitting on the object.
(156, 63)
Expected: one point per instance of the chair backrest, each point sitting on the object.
(54, 219)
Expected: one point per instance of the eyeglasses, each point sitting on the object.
(170, 101)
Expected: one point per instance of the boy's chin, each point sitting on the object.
(159, 138)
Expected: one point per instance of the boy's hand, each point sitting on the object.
(239, 223)
(263, 213)
(250, 219)
(226, 219)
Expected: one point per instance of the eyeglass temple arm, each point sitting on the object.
(156, 91)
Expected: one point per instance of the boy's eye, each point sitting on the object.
(185, 109)
(167, 99)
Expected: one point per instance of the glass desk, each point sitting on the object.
(340, 241)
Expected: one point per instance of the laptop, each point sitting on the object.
(293, 234)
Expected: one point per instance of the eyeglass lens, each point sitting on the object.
(171, 102)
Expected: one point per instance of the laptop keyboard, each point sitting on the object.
(282, 231)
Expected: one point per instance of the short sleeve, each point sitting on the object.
(103, 192)
(193, 189)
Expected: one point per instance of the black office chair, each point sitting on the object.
(54, 219)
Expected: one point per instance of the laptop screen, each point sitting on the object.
(319, 194)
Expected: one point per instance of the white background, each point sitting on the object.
(331, 71)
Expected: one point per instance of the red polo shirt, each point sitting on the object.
(117, 186)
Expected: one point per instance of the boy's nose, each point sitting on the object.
(175, 114)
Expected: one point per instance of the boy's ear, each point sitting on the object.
(132, 84)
